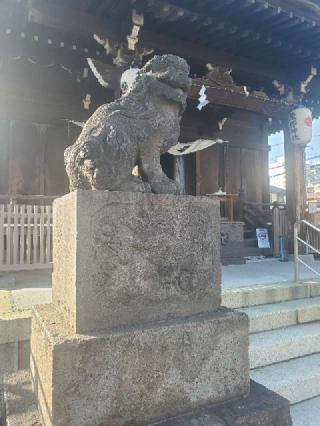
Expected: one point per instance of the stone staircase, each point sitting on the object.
(285, 342)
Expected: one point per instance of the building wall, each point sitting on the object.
(42, 86)
(32, 157)
(240, 165)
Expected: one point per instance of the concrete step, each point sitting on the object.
(283, 314)
(306, 413)
(232, 261)
(239, 249)
(275, 346)
(297, 379)
(7, 282)
(245, 296)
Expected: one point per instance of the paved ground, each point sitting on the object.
(20, 291)
(306, 413)
(263, 272)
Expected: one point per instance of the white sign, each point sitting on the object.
(263, 238)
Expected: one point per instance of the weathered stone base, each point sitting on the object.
(260, 408)
(137, 375)
(123, 259)
(20, 405)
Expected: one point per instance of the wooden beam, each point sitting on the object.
(201, 54)
(62, 18)
(198, 173)
(267, 107)
(4, 154)
(11, 13)
(301, 8)
(231, 34)
(264, 126)
(295, 183)
(40, 109)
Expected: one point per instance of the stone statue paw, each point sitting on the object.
(164, 185)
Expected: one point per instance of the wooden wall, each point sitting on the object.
(34, 134)
(42, 85)
(242, 164)
(32, 157)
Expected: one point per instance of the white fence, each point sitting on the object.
(25, 237)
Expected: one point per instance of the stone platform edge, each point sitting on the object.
(260, 408)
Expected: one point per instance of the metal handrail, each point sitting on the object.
(297, 240)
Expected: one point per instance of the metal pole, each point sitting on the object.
(296, 251)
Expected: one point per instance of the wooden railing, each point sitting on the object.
(25, 237)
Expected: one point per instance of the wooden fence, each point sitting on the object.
(25, 237)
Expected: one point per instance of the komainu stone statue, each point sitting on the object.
(133, 131)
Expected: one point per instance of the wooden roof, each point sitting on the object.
(278, 39)
(248, 28)
(279, 31)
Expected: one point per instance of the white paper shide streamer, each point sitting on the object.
(96, 73)
(203, 101)
(195, 146)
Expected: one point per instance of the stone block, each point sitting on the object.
(24, 354)
(15, 327)
(264, 294)
(260, 408)
(308, 313)
(135, 375)
(130, 258)
(314, 288)
(8, 358)
(19, 400)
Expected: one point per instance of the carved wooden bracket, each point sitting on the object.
(137, 21)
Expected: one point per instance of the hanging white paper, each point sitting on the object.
(198, 145)
(96, 73)
(203, 101)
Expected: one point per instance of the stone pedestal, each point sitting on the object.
(135, 334)
(136, 375)
(129, 258)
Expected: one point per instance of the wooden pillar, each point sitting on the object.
(265, 162)
(11, 189)
(179, 172)
(295, 183)
(198, 173)
(4, 156)
(42, 130)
